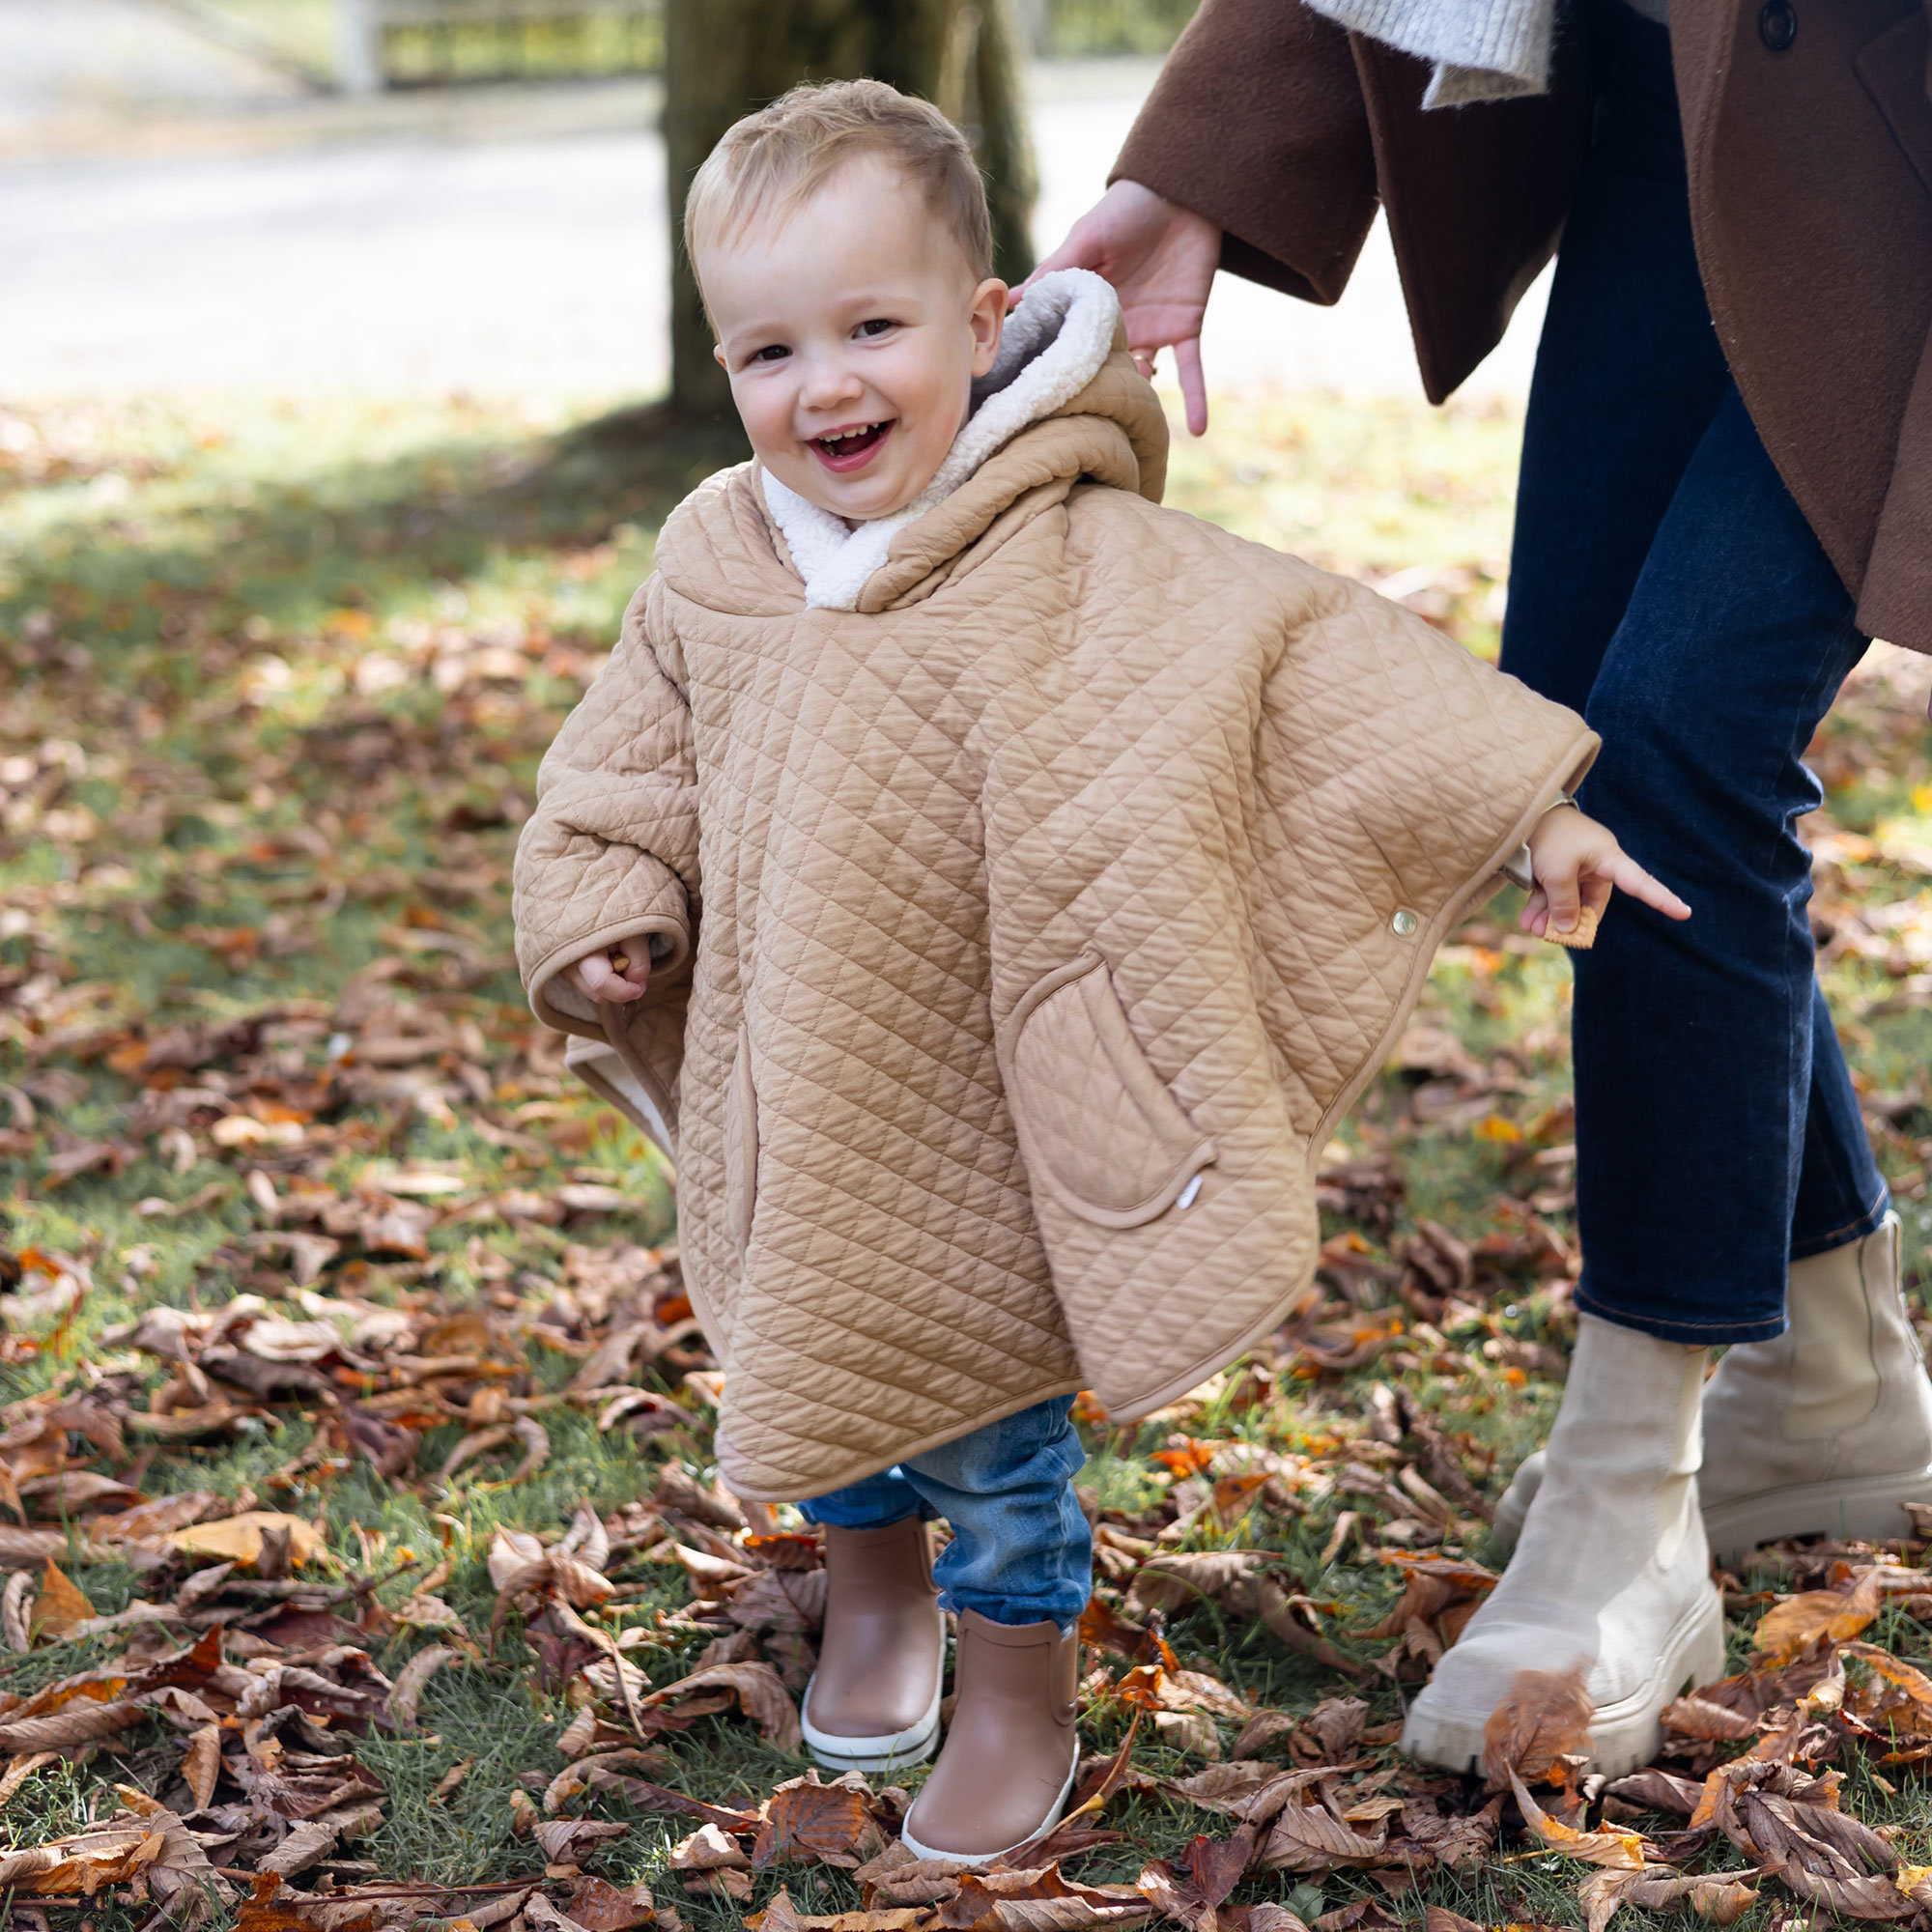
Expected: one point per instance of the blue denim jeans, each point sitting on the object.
(1021, 1549)
(1665, 583)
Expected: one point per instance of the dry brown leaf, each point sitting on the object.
(307, 1840)
(1721, 1898)
(1035, 1901)
(77, 1723)
(570, 1840)
(410, 1680)
(1440, 1919)
(709, 1848)
(201, 1764)
(599, 1906)
(760, 1694)
(1695, 1717)
(21, 1767)
(1310, 1837)
(1543, 1716)
(1616, 1850)
(804, 1819)
(1789, 1627)
(1656, 1791)
(241, 1539)
(60, 1605)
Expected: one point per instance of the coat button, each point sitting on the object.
(1777, 24)
(1404, 923)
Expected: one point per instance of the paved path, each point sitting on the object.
(460, 242)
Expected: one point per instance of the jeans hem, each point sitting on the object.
(1868, 1223)
(1708, 1334)
(1004, 1611)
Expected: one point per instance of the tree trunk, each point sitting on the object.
(724, 58)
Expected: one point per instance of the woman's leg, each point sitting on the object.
(1696, 1047)
(1628, 373)
(1628, 380)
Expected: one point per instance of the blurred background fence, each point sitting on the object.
(365, 45)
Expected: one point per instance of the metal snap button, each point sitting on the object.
(1404, 924)
(1777, 24)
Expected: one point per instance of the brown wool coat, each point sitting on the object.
(1810, 196)
(1095, 853)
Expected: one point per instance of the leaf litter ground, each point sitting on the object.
(364, 1560)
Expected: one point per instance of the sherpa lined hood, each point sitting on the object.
(1055, 342)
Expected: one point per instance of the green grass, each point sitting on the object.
(277, 683)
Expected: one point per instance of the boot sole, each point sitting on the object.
(912, 1745)
(1863, 1509)
(1045, 1825)
(1624, 1736)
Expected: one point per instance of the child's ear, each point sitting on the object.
(988, 317)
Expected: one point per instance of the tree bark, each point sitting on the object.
(724, 58)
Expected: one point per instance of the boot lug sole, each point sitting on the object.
(912, 1745)
(1624, 1736)
(1045, 1825)
(1863, 1509)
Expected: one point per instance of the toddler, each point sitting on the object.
(993, 887)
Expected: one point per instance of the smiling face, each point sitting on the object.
(851, 326)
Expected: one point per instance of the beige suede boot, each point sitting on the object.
(1011, 1751)
(873, 1701)
(1826, 1431)
(1612, 1568)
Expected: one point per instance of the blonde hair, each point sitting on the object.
(773, 160)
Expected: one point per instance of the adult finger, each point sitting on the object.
(1628, 876)
(1193, 383)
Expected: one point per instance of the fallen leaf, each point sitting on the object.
(809, 1820)
(1621, 1851)
(1543, 1716)
(599, 1906)
(201, 1764)
(60, 1605)
(709, 1848)
(241, 1539)
(760, 1694)
(410, 1680)
(1789, 1627)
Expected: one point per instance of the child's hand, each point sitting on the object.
(1577, 864)
(620, 974)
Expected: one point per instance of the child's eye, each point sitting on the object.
(878, 325)
(772, 352)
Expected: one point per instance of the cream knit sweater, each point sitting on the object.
(1481, 50)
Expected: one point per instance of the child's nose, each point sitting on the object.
(829, 381)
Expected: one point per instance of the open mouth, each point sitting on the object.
(849, 449)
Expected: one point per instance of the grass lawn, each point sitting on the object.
(278, 681)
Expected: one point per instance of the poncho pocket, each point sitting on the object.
(1098, 1129)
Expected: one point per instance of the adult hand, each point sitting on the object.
(620, 974)
(1161, 260)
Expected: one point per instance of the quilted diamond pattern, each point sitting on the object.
(1063, 721)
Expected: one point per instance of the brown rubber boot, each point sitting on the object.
(1010, 1754)
(873, 1701)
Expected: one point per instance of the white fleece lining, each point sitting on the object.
(1054, 344)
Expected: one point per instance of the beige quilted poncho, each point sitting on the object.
(1032, 884)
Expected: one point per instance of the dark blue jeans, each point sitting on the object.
(1665, 584)
(1021, 1550)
